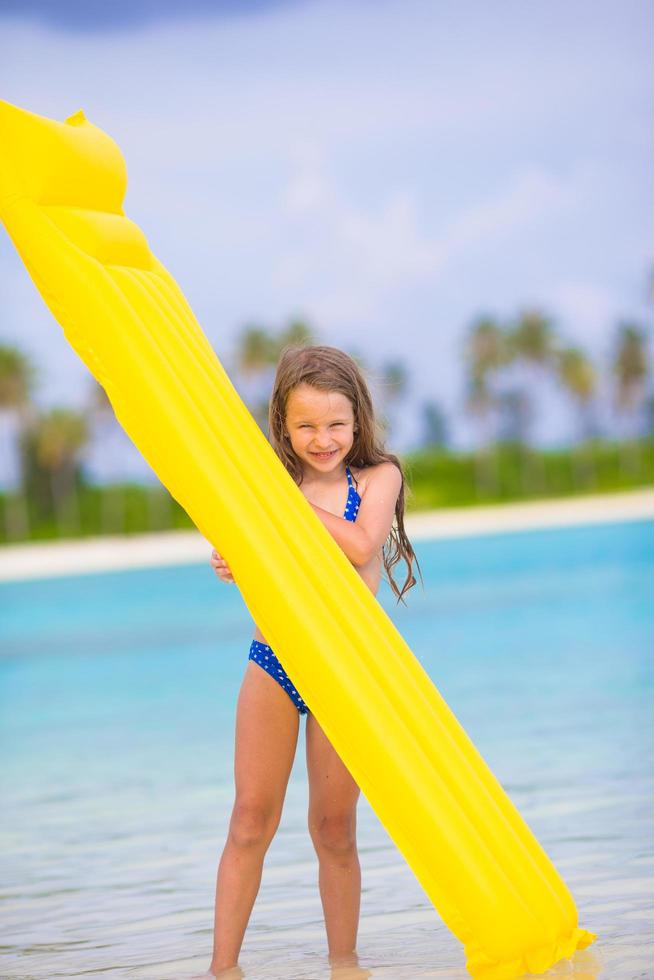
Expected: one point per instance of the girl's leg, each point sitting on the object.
(333, 796)
(267, 725)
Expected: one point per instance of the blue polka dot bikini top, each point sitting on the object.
(353, 499)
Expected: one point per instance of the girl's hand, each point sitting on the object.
(220, 567)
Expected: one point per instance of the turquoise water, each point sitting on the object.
(118, 695)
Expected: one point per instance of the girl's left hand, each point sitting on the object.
(220, 567)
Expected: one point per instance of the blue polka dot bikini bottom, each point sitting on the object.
(263, 655)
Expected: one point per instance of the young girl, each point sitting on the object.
(322, 427)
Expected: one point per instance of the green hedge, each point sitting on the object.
(436, 478)
(509, 472)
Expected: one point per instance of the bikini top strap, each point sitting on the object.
(352, 491)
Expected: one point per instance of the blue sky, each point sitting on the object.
(388, 170)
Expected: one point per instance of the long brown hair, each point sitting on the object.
(330, 369)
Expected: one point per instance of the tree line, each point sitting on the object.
(504, 364)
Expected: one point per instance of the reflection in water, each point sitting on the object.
(584, 965)
(346, 968)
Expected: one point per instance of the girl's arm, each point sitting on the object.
(364, 538)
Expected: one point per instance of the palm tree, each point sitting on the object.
(631, 369)
(486, 355)
(17, 377)
(480, 403)
(514, 415)
(531, 345)
(112, 498)
(532, 338)
(434, 425)
(256, 350)
(257, 354)
(297, 333)
(649, 404)
(578, 377)
(114, 494)
(393, 387)
(55, 443)
(649, 416)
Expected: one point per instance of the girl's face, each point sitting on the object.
(320, 425)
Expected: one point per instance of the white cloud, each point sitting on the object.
(531, 196)
(368, 164)
(347, 259)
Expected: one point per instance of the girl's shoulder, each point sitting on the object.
(362, 475)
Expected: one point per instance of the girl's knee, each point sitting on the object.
(253, 824)
(334, 833)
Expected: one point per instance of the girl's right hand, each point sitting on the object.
(220, 567)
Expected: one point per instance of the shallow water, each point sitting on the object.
(118, 694)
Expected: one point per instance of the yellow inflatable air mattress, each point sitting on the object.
(61, 194)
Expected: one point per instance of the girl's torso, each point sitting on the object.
(342, 501)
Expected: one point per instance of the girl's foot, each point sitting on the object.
(347, 968)
(349, 973)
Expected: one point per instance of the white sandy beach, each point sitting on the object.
(102, 554)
